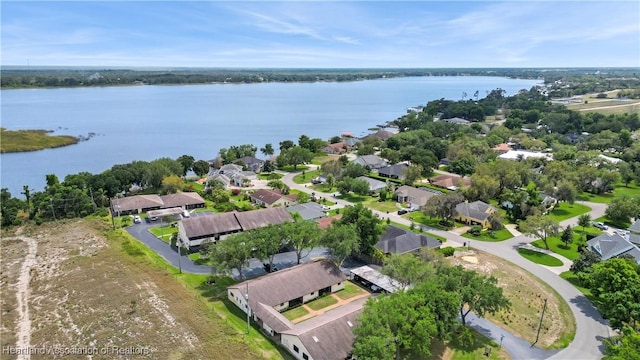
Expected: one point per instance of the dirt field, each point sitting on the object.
(67, 289)
(607, 106)
(527, 296)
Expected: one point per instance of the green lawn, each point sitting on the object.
(619, 190)
(306, 177)
(472, 350)
(321, 159)
(419, 218)
(322, 302)
(558, 247)
(491, 236)
(289, 168)
(350, 290)
(539, 258)
(163, 232)
(622, 225)
(351, 197)
(384, 206)
(199, 259)
(564, 211)
(269, 176)
(575, 281)
(295, 313)
(194, 185)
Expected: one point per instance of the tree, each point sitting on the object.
(360, 187)
(302, 235)
(443, 206)
(267, 150)
(341, 240)
(584, 220)
(407, 269)
(286, 144)
(584, 262)
(615, 284)
(566, 191)
(332, 167)
(201, 168)
(231, 253)
(187, 163)
(462, 166)
(172, 184)
(540, 226)
(478, 293)
(625, 346)
(412, 174)
(295, 156)
(267, 241)
(567, 236)
(621, 209)
(368, 226)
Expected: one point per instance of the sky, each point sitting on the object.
(321, 34)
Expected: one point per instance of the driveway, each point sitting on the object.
(591, 328)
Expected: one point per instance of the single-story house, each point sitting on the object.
(634, 233)
(394, 171)
(400, 241)
(416, 197)
(372, 161)
(271, 198)
(608, 246)
(374, 185)
(523, 154)
(325, 336)
(457, 120)
(380, 134)
(338, 148)
(320, 179)
(325, 222)
(252, 163)
(476, 212)
(185, 200)
(502, 148)
(195, 231)
(451, 182)
(308, 211)
(136, 204)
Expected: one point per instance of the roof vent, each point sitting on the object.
(315, 338)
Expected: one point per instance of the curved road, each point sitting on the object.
(591, 328)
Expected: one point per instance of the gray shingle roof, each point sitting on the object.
(278, 287)
(181, 199)
(136, 202)
(308, 211)
(635, 226)
(415, 195)
(477, 210)
(400, 241)
(609, 246)
(207, 225)
(374, 184)
(374, 162)
(266, 196)
(254, 219)
(393, 170)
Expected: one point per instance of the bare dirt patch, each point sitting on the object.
(83, 292)
(527, 294)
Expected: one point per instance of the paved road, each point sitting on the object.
(591, 328)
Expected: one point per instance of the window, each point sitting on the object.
(305, 356)
(295, 348)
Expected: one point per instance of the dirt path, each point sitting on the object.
(23, 328)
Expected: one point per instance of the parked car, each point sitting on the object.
(600, 225)
(402, 211)
(153, 218)
(186, 213)
(137, 219)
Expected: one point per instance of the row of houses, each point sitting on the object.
(618, 244)
(139, 204)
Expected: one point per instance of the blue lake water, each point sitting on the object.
(149, 122)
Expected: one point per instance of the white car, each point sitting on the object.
(186, 213)
(137, 219)
(600, 226)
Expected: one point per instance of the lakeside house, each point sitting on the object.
(233, 175)
(327, 335)
(338, 148)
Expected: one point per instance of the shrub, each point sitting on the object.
(447, 251)
(235, 192)
(475, 230)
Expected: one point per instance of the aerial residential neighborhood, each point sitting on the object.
(342, 180)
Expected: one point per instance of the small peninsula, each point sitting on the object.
(32, 140)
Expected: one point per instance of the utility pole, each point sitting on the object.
(540, 325)
(246, 297)
(113, 221)
(179, 243)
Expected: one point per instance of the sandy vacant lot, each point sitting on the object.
(527, 295)
(66, 289)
